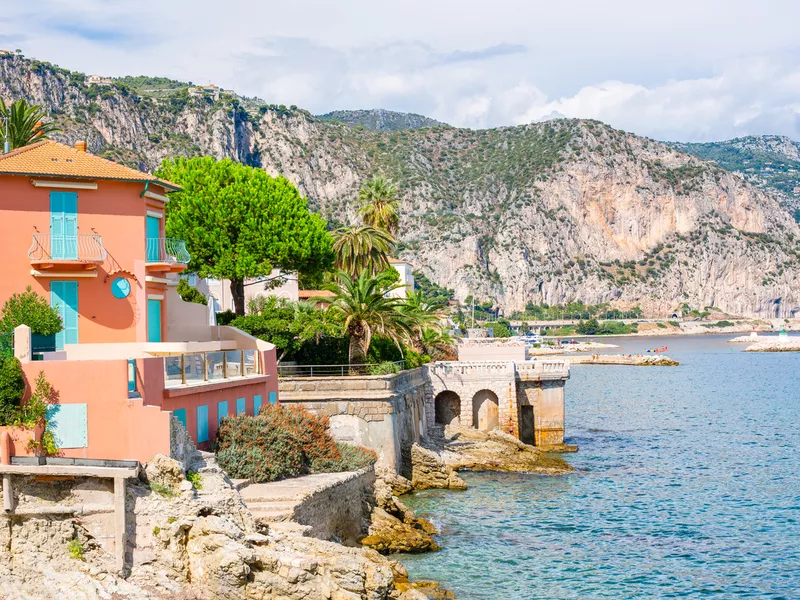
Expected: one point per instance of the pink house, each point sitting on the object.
(88, 234)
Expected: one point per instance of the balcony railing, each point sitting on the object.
(167, 251)
(84, 248)
(210, 367)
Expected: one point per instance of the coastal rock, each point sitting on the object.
(165, 471)
(776, 345)
(399, 485)
(395, 528)
(429, 471)
(475, 450)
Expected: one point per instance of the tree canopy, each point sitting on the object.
(31, 309)
(239, 222)
(362, 249)
(378, 204)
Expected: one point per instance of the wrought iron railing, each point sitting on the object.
(167, 250)
(385, 368)
(199, 367)
(83, 247)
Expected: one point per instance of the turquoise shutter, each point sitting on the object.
(241, 406)
(69, 424)
(273, 397)
(222, 411)
(153, 233)
(180, 414)
(256, 404)
(202, 423)
(153, 320)
(64, 225)
(64, 298)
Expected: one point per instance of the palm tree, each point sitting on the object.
(366, 310)
(25, 123)
(362, 249)
(379, 205)
(425, 313)
(437, 344)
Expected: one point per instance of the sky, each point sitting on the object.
(699, 70)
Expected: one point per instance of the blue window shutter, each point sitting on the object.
(180, 414)
(273, 397)
(153, 320)
(202, 423)
(69, 424)
(256, 404)
(241, 406)
(222, 411)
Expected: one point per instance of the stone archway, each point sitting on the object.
(485, 408)
(447, 407)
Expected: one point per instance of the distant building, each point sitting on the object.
(206, 91)
(6, 53)
(406, 277)
(99, 80)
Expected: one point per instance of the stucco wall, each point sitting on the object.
(116, 212)
(339, 510)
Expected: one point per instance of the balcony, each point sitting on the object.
(72, 252)
(202, 368)
(166, 255)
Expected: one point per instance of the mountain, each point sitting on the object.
(380, 119)
(771, 162)
(547, 212)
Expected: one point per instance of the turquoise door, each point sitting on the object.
(256, 404)
(153, 320)
(64, 225)
(202, 423)
(241, 406)
(180, 414)
(64, 298)
(222, 411)
(153, 234)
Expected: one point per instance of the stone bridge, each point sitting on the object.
(523, 398)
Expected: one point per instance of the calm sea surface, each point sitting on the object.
(688, 486)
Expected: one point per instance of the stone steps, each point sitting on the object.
(271, 511)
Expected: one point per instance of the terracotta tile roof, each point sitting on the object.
(51, 159)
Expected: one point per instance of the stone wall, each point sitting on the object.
(341, 509)
(384, 413)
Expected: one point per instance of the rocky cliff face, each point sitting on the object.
(547, 212)
(379, 119)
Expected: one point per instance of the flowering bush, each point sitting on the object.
(284, 442)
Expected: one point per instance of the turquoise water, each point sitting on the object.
(688, 486)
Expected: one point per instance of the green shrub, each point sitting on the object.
(31, 309)
(12, 388)
(162, 490)
(75, 549)
(415, 359)
(225, 317)
(282, 442)
(190, 294)
(384, 368)
(661, 325)
(674, 323)
(196, 479)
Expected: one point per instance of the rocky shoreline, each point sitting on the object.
(202, 543)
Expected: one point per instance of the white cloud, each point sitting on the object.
(683, 70)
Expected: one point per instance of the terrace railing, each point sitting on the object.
(349, 370)
(167, 250)
(200, 367)
(84, 247)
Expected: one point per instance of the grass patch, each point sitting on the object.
(661, 325)
(171, 520)
(162, 490)
(674, 323)
(156, 530)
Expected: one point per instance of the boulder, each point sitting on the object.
(165, 471)
(429, 471)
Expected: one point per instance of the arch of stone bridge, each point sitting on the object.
(465, 389)
(485, 410)
(447, 407)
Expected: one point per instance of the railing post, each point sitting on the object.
(183, 369)
(241, 363)
(224, 364)
(205, 366)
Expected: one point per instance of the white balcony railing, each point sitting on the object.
(167, 251)
(85, 248)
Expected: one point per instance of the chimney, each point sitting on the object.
(80, 146)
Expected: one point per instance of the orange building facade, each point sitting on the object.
(88, 235)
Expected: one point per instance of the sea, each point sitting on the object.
(686, 485)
